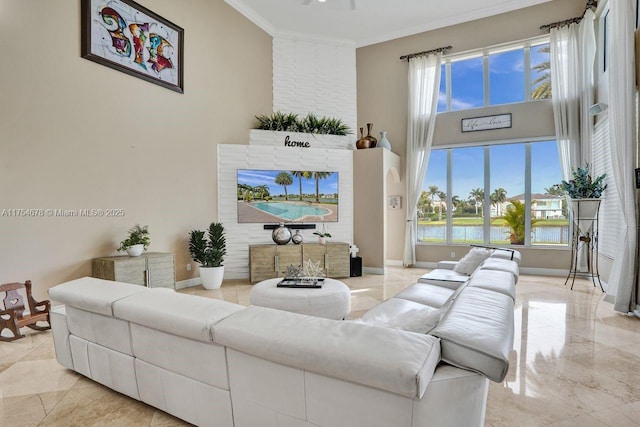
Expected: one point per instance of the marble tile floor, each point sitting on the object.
(575, 362)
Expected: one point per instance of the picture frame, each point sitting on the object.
(128, 37)
(497, 121)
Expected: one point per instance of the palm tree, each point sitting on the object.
(555, 190)
(300, 175)
(262, 191)
(284, 179)
(515, 217)
(498, 197)
(244, 190)
(442, 196)
(318, 176)
(433, 192)
(542, 85)
(477, 196)
(423, 204)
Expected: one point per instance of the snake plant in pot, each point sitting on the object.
(209, 248)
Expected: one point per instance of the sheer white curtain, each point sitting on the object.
(572, 59)
(566, 95)
(622, 140)
(424, 84)
(572, 56)
(587, 46)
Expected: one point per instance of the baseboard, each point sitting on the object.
(374, 270)
(394, 263)
(534, 271)
(426, 264)
(181, 284)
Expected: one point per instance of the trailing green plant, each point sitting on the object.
(137, 236)
(515, 217)
(582, 186)
(208, 248)
(289, 122)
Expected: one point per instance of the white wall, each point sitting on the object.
(315, 76)
(234, 157)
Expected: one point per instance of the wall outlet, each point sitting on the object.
(188, 267)
(453, 255)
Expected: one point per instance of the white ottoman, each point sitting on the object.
(332, 301)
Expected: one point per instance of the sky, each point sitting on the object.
(256, 177)
(506, 85)
(506, 79)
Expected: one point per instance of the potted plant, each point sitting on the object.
(585, 193)
(208, 249)
(137, 242)
(322, 235)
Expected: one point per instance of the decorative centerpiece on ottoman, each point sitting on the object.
(321, 297)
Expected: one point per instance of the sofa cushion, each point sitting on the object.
(388, 359)
(444, 277)
(502, 265)
(477, 332)
(179, 314)
(468, 264)
(509, 254)
(431, 295)
(94, 295)
(494, 280)
(403, 314)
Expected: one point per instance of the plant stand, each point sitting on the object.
(585, 238)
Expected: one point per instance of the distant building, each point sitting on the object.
(543, 206)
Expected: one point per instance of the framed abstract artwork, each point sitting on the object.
(125, 36)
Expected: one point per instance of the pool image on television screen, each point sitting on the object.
(267, 196)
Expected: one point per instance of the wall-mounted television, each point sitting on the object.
(268, 196)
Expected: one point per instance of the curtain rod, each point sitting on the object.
(590, 4)
(426, 52)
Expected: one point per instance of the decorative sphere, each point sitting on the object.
(281, 235)
(297, 238)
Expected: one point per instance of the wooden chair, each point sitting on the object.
(13, 318)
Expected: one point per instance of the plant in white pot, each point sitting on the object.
(585, 193)
(137, 242)
(322, 235)
(208, 249)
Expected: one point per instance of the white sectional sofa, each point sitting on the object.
(421, 358)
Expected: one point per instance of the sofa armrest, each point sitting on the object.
(387, 359)
(446, 265)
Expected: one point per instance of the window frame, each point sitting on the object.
(528, 145)
(484, 53)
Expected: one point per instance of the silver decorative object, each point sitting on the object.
(297, 238)
(281, 235)
(293, 271)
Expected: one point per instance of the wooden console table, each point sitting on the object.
(270, 260)
(151, 269)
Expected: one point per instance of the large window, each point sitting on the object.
(495, 76)
(499, 194)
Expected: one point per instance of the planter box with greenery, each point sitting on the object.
(289, 130)
(209, 249)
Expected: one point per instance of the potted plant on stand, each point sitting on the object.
(585, 193)
(209, 249)
(137, 242)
